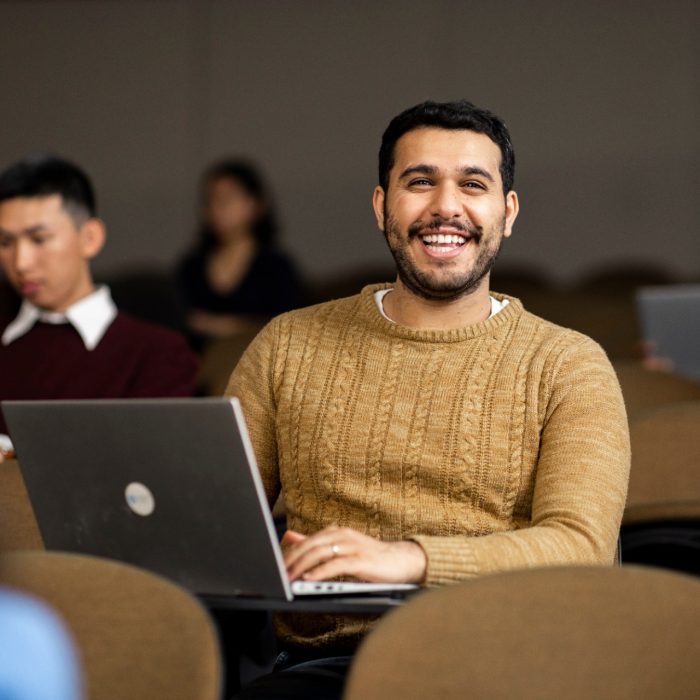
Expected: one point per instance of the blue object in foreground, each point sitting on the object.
(37, 656)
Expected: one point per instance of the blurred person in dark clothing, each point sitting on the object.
(234, 278)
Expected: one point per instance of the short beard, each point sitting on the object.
(450, 287)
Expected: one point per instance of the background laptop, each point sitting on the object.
(170, 485)
(670, 319)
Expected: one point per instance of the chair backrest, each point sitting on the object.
(219, 358)
(139, 636)
(645, 389)
(665, 475)
(571, 633)
(18, 527)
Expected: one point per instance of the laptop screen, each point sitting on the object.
(669, 317)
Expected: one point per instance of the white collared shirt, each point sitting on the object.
(91, 317)
(496, 304)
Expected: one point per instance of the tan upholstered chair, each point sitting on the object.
(665, 476)
(573, 633)
(140, 637)
(661, 522)
(645, 389)
(18, 527)
(218, 359)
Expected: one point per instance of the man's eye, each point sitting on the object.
(472, 184)
(38, 240)
(421, 181)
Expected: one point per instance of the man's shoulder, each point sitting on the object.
(326, 309)
(134, 330)
(157, 361)
(559, 342)
(549, 328)
(326, 320)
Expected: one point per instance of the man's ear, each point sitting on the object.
(512, 209)
(93, 235)
(378, 206)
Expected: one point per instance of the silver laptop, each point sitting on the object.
(670, 319)
(170, 485)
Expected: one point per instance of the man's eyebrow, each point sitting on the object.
(26, 231)
(476, 170)
(421, 169)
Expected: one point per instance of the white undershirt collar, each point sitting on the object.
(91, 317)
(496, 304)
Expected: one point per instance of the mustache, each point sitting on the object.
(421, 228)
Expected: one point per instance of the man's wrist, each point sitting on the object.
(419, 559)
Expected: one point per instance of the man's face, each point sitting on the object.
(445, 214)
(44, 253)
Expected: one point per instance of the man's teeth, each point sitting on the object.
(444, 238)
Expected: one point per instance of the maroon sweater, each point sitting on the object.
(134, 359)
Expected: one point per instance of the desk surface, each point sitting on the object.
(348, 605)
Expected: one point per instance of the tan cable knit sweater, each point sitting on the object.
(496, 446)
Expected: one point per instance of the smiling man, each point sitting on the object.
(444, 214)
(430, 430)
(69, 341)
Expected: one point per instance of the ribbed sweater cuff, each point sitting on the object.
(450, 559)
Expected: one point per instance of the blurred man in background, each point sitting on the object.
(69, 341)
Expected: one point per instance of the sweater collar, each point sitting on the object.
(509, 313)
(91, 317)
(496, 304)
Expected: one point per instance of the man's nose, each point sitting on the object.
(446, 202)
(24, 256)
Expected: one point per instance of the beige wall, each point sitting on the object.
(601, 97)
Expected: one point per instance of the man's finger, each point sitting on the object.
(309, 559)
(291, 538)
(325, 537)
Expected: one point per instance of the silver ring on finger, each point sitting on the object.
(335, 549)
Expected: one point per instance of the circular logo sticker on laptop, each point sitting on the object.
(139, 498)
